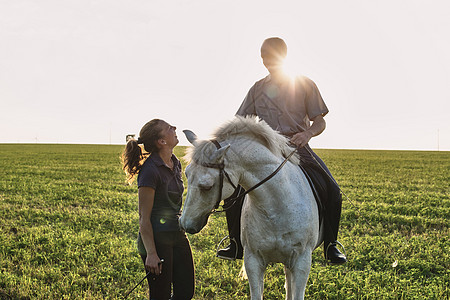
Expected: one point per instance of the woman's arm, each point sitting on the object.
(146, 199)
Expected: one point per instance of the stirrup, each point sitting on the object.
(231, 240)
(326, 251)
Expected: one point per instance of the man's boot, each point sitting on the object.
(333, 255)
(332, 218)
(233, 209)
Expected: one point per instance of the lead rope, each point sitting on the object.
(148, 274)
(395, 263)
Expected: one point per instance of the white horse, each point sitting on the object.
(280, 218)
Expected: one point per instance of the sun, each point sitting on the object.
(291, 67)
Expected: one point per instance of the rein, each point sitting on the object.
(223, 173)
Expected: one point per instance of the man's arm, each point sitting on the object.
(248, 105)
(317, 127)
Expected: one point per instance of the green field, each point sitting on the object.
(68, 224)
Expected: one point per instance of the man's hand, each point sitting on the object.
(301, 139)
(317, 127)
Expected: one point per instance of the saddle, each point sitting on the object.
(317, 180)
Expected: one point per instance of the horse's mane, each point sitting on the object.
(250, 126)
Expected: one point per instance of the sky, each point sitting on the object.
(91, 72)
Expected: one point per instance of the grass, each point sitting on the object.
(68, 224)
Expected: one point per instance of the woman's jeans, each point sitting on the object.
(177, 269)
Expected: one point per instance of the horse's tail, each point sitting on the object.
(243, 274)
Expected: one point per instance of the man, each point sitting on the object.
(295, 108)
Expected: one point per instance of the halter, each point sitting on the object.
(223, 173)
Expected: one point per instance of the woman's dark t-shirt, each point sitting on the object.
(168, 186)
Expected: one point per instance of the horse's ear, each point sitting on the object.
(191, 137)
(220, 153)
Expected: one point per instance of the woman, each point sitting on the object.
(160, 197)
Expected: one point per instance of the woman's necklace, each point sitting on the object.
(170, 164)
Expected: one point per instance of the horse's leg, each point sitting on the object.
(288, 283)
(255, 268)
(299, 274)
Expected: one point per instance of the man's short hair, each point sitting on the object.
(274, 46)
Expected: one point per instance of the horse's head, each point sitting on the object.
(206, 186)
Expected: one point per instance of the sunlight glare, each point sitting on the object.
(291, 67)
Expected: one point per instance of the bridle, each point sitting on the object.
(223, 173)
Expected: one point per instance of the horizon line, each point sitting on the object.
(183, 145)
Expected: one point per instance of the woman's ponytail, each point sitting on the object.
(132, 156)
(132, 159)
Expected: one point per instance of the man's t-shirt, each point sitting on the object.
(168, 186)
(287, 107)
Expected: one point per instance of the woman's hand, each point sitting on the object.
(153, 264)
